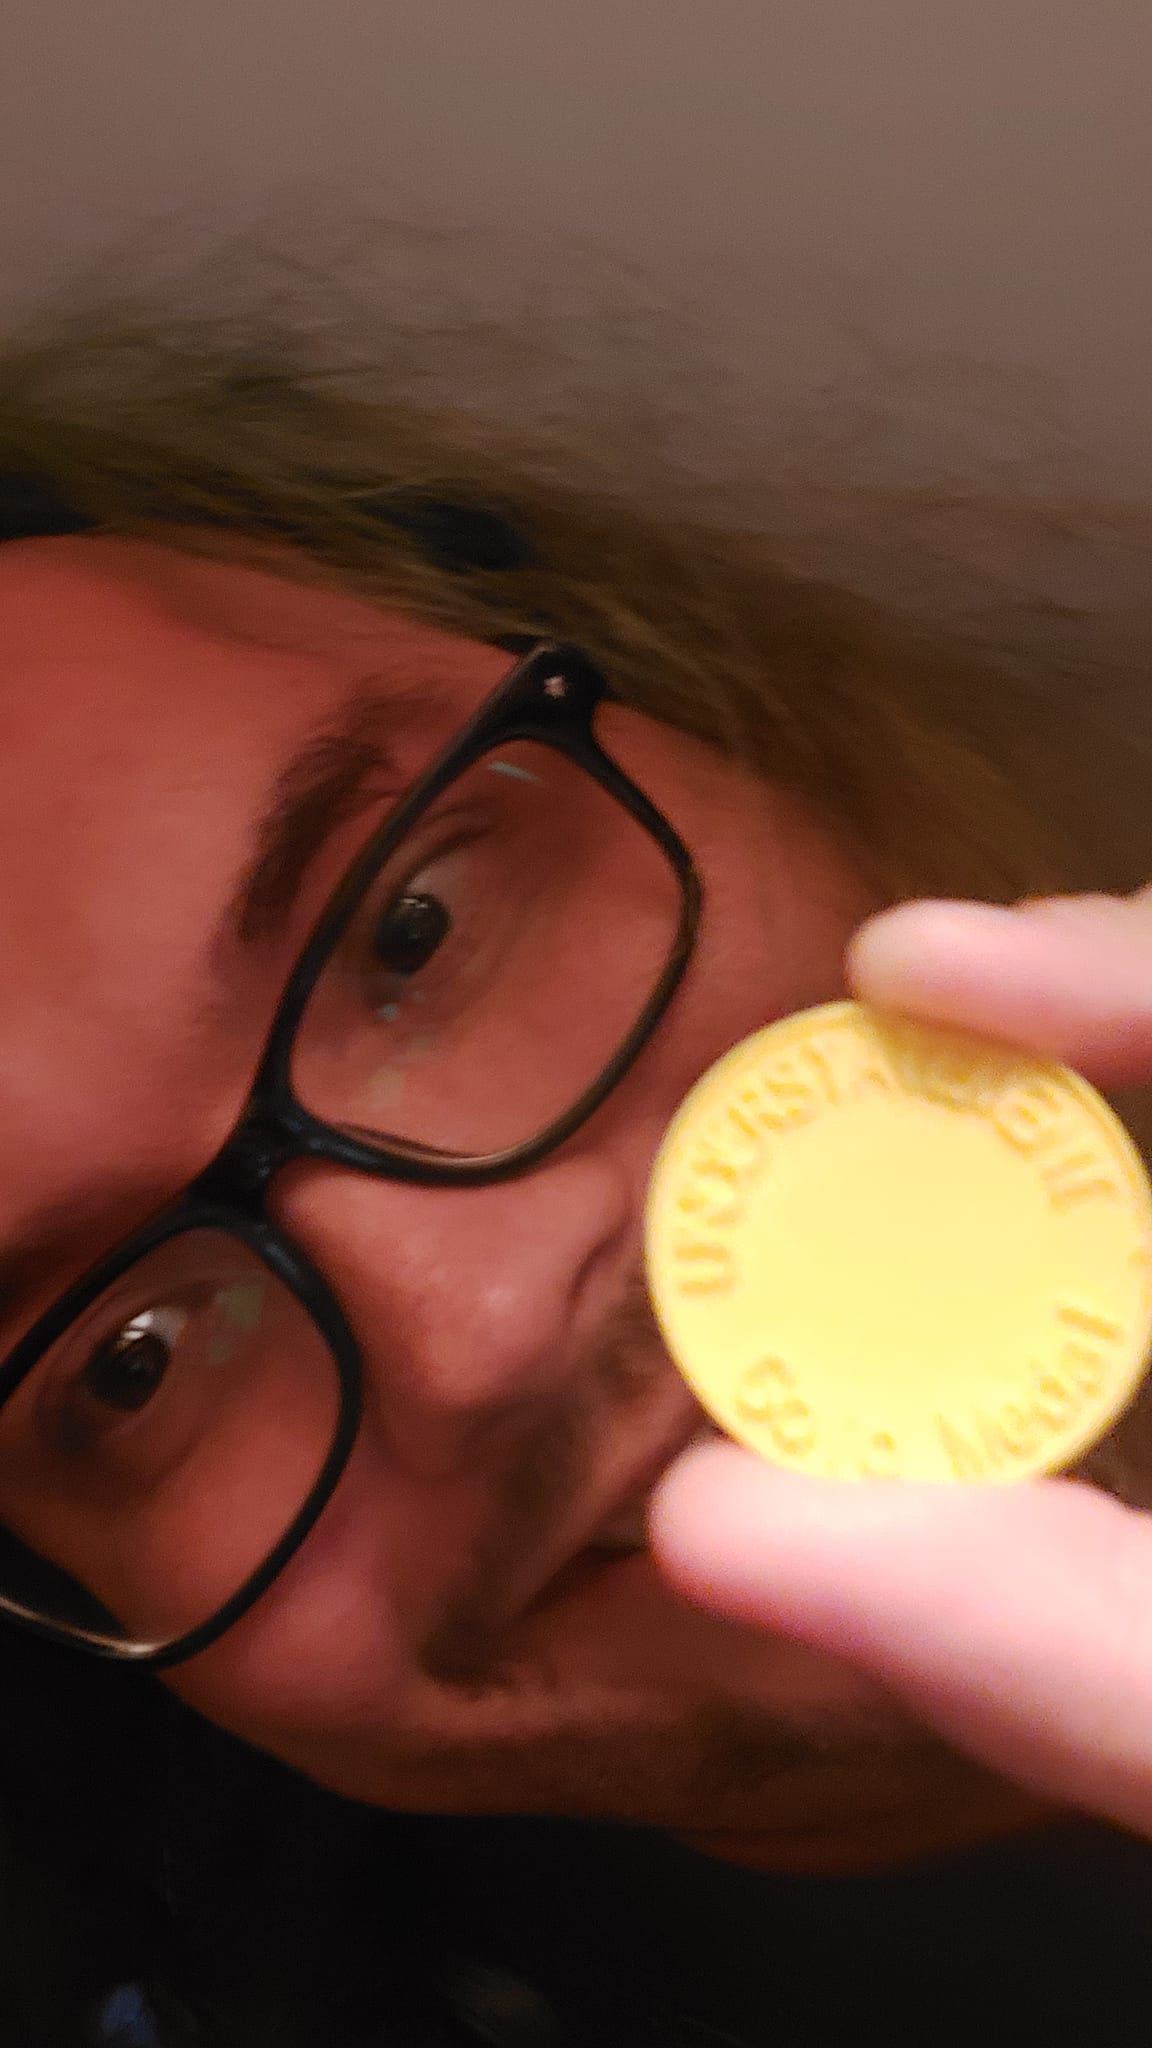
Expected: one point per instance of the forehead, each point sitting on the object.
(144, 642)
(148, 705)
(148, 702)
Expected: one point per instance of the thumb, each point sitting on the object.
(1069, 977)
(1016, 1621)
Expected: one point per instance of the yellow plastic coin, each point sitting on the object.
(880, 1250)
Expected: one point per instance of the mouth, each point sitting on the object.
(620, 1532)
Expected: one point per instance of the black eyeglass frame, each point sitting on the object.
(550, 697)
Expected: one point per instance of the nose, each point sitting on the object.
(472, 1306)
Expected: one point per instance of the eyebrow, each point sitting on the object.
(324, 784)
(330, 777)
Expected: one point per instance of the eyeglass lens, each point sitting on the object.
(495, 964)
(160, 1449)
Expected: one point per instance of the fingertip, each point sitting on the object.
(1063, 978)
(731, 1529)
(712, 1517)
(916, 953)
(693, 1495)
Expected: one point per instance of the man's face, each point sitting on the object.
(471, 1625)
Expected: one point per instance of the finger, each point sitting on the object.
(1070, 978)
(1016, 1621)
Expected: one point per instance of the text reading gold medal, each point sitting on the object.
(879, 1250)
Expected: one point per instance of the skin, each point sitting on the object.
(419, 1651)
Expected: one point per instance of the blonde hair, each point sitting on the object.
(926, 754)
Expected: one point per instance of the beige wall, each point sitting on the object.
(968, 179)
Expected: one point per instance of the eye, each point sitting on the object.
(128, 1368)
(409, 932)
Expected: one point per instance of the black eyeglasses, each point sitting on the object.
(489, 967)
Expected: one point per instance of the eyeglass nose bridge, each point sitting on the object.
(242, 1171)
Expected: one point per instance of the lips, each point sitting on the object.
(626, 1528)
(623, 1531)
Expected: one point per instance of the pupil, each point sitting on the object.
(409, 932)
(125, 1371)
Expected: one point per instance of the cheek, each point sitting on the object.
(332, 1649)
(780, 899)
(779, 908)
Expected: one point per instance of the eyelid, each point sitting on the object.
(423, 841)
(421, 846)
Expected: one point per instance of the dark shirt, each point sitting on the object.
(163, 1886)
(544, 1935)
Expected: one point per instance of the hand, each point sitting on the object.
(1016, 1621)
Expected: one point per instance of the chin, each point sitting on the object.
(616, 1701)
(614, 1630)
